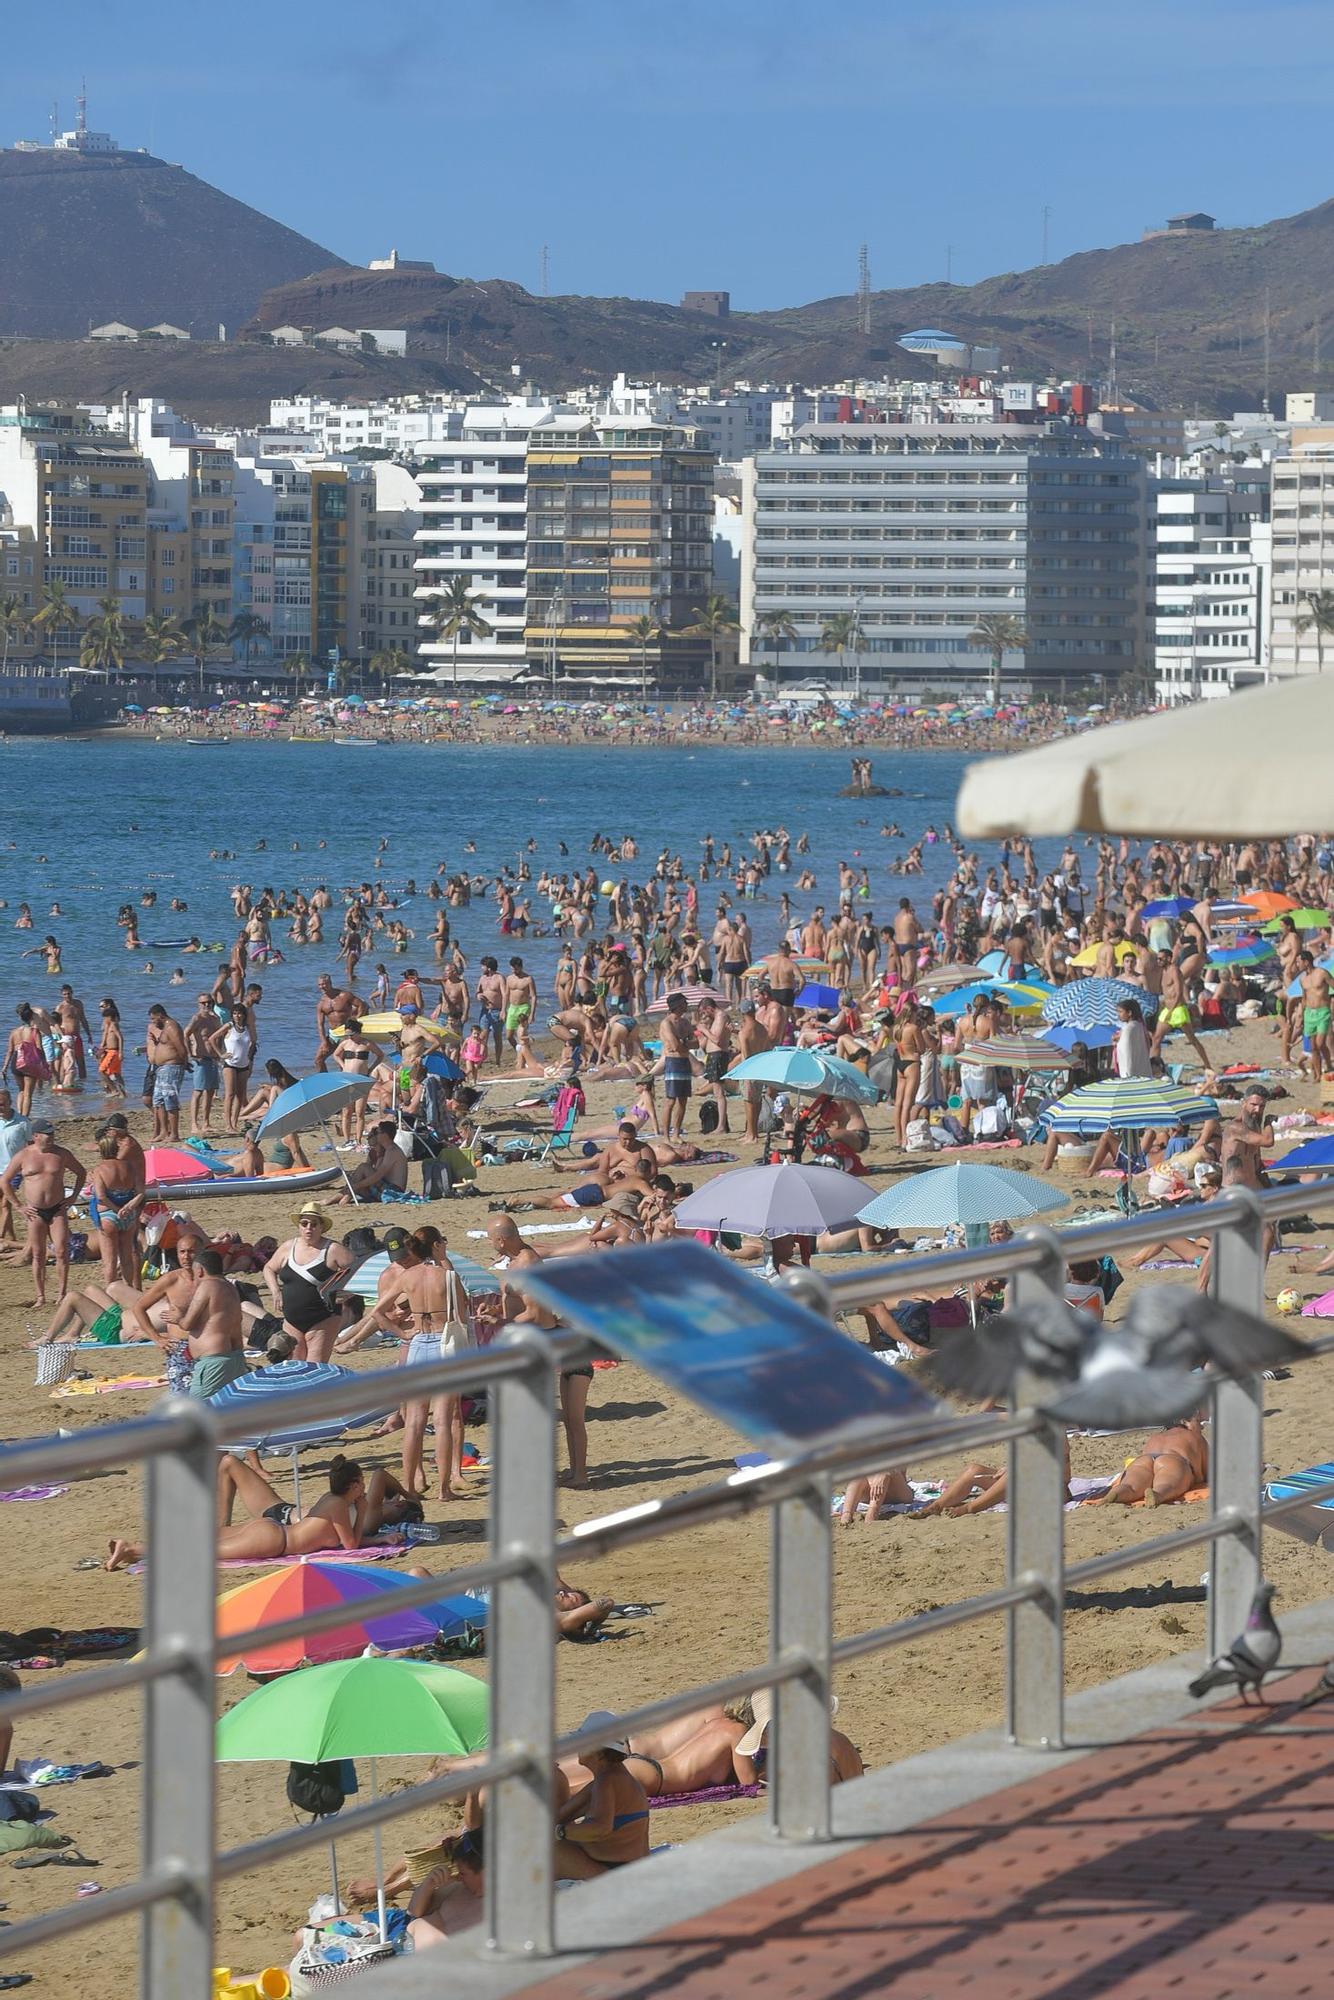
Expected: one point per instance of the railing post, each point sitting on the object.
(179, 1762)
(1035, 1545)
(802, 1607)
(521, 1644)
(1236, 1447)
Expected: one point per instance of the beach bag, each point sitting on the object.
(992, 1120)
(311, 1972)
(29, 1060)
(708, 1115)
(54, 1363)
(316, 1789)
(457, 1334)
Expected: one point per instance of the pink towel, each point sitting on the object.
(704, 1797)
(377, 1552)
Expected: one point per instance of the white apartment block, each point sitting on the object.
(474, 524)
(350, 427)
(1211, 584)
(918, 530)
(789, 414)
(1303, 532)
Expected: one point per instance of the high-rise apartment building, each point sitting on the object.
(1303, 553)
(916, 531)
(620, 520)
(83, 495)
(1211, 583)
(304, 537)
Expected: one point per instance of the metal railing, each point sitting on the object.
(180, 1866)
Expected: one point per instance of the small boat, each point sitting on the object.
(203, 742)
(306, 739)
(358, 740)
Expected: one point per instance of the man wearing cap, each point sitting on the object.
(41, 1166)
(128, 1147)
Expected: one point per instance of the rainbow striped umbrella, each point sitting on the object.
(373, 1617)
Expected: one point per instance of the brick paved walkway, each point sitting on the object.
(1193, 1863)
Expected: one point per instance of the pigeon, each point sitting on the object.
(1112, 1376)
(1252, 1655)
(1322, 1690)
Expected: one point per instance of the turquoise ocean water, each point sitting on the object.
(115, 817)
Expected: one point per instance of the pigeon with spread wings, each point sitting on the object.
(1137, 1370)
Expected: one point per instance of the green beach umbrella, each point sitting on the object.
(358, 1708)
(1302, 920)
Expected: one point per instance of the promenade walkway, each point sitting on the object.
(1193, 1861)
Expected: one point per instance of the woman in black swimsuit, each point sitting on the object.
(301, 1275)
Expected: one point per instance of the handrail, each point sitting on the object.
(181, 1439)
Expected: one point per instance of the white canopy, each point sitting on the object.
(1256, 764)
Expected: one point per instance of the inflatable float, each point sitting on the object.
(278, 1180)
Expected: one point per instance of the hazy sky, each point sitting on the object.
(747, 144)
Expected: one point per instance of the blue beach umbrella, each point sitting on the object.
(440, 1065)
(1127, 1104)
(1094, 1002)
(807, 1072)
(1023, 999)
(1064, 1035)
(962, 1194)
(1315, 1153)
(1253, 952)
(267, 1394)
(312, 1102)
(823, 998)
(1168, 906)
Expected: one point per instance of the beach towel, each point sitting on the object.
(374, 1552)
(109, 1387)
(1183, 1500)
(34, 1492)
(527, 1228)
(705, 1796)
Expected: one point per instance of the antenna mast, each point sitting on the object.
(863, 290)
(1265, 405)
(81, 102)
(544, 277)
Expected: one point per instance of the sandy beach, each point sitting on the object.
(709, 1590)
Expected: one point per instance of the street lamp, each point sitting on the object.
(555, 612)
(857, 648)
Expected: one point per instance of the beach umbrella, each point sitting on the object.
(942, 977)
(802, 960)
(692, 995)
(963, 1195)
(785, 1200)
(358, 1708)
(313, 1101)
(1253, 951)
(1226, 911)
(262, 1394)
(1020, 999)
(165, 1164)
(1127, 1104)
(1169, 906)
(1208, 770)
(442, 1066)
(1094, 1002)
(1064, 1034)
(807, 1072)
(997, 963)
(388, 1025)
(1089, 955)
(373, 1616)
(1302, 920)
(1314, 1153)
(1029, 1052)
(1269, 902)
(825, 999)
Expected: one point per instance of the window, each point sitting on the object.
(168, 586)
(77, 545)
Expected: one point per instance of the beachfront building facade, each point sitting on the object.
(82, 496)
(620, 527)
(899, 538)
(392, 426)
(1211, 583)
(304, 537)
(474, 525)
(1303, 554)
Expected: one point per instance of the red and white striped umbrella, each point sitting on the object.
(692, 995)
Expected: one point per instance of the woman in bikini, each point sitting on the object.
(300, 1275)
(346, 1517)
(1169, 1465)
(605, 1823)
(114, 1201)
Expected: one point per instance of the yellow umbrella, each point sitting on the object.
(386, 1027)
(1089, 955)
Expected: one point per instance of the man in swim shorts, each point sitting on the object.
(1316, 1013)
(520, 999)
(167, 1058)
(678, 1065)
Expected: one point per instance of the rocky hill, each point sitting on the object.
(91, 237)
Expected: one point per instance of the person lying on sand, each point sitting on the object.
(974, 1491)
(1168, 1466)
(346, 1516)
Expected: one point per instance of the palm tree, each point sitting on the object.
(838, 635)
(103, 644)
(644, 630)
(298, 666)
(56, 615)
(716, 616)
(1000, 634)
(245, 628)
(1318, 617)
(455, 612)
(14, 623)
(162, 639)
(205, 631)
(777, 626)
(389, 663)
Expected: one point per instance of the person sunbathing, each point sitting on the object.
(603, 1824)
(1168, 1466)
(688, 1755)
(345, 1517)
(877, 1489)
(975, 1490)
(751, 1757)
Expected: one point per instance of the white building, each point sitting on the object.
(391, 611)
(474, 505)
(1303, 531)
(789, 414)
(919, 530)
(346, 427)
(1211, 584)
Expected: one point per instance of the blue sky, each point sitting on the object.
(746, 144)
